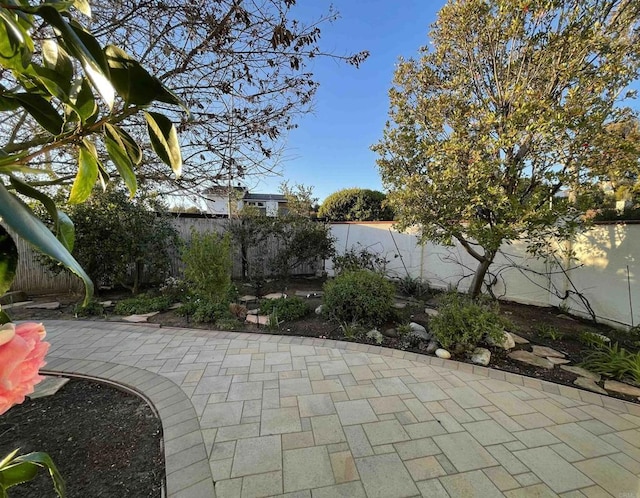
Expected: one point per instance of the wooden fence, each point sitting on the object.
(33, 278)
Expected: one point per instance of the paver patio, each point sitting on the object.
(264, 415)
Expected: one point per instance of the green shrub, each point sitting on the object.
(355, 204)
(547, 331)
(142, 304)
(462, 322)
(361, 297)
(208, 312)
(285, 309)
(358, 259)
(93, 308)
(414, 287)
(613, 361)
(207, 259)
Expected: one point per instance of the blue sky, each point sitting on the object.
(330, 149)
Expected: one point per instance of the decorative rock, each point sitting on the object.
(481, 356)
(432, 346)
(108, 304)
(320, 309)
(399, 305)
(517, 339)
(431, 312)
(393, 333)
(589, 384)
(48, 387)
(253, 312)
(506, 343)
(248, 299)
(531, 359)
(621, 388)
(443, 353)
(140, 318)
(257, 319)
(275, 295)
(581, 372)
(175, 306)
(15, 305)
(602, 336)
(558, 361)
(418, 330)
(54, 305)
(545, 351)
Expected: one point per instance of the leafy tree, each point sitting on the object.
(240, 66)
(52, 72)
(208, 265)
(300, 199)
(355, 204)
(509, 105)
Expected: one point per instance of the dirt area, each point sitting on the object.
(533, 323)
(105, 442)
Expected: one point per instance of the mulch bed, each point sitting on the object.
(104, 441)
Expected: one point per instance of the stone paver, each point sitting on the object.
(265, 415)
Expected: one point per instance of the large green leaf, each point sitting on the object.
(164, 140)
(17, 473)
(8, 260)
(22, 220)
(123, 164)
(44, 460)
(42, 111)
(86, 176)
(16, 46)
(125, 141)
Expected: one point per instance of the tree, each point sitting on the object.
(355, 204)
(300, 199)
(509, 105)
(239, 66)
(52, 71)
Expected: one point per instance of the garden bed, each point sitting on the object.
(104, 441)
(542, 326)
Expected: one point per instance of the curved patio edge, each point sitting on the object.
(512, 378)
(187, 470)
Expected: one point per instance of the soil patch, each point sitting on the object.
(105, 442)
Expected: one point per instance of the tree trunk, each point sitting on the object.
(478, 278)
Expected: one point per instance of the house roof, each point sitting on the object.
(264, 197)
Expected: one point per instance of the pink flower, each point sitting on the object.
(21, 356)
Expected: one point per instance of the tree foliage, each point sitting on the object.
(63, 96)
(356, 204)
(514, 101)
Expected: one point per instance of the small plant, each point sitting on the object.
(208, 312)
(462, 322)
(93, 308)
(614, 361)
(238, 310)
(361, 297)
(288, 309)
(376, 336)
(592, 340)
(174, 288)
(142, 304)
(403, 330)
(414, 287)
(547, 331)
(350, 330)
(228, 324)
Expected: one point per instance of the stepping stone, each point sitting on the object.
(48, 387)
(257, 319)
(545, 351)
(175, 306)
(531, 359)
(54, 305)
(140, 318)
(558, 361)
(248, 299)
(275, 295)
(431, 312)
(589, 384)
(15, 305)
(581, 372)
(518, 339)
(399, 305)
(253, 312)
(621, 388)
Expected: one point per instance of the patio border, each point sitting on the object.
(187, 470)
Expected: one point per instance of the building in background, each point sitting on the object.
(222, 200)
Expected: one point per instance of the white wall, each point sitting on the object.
(600, 272)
